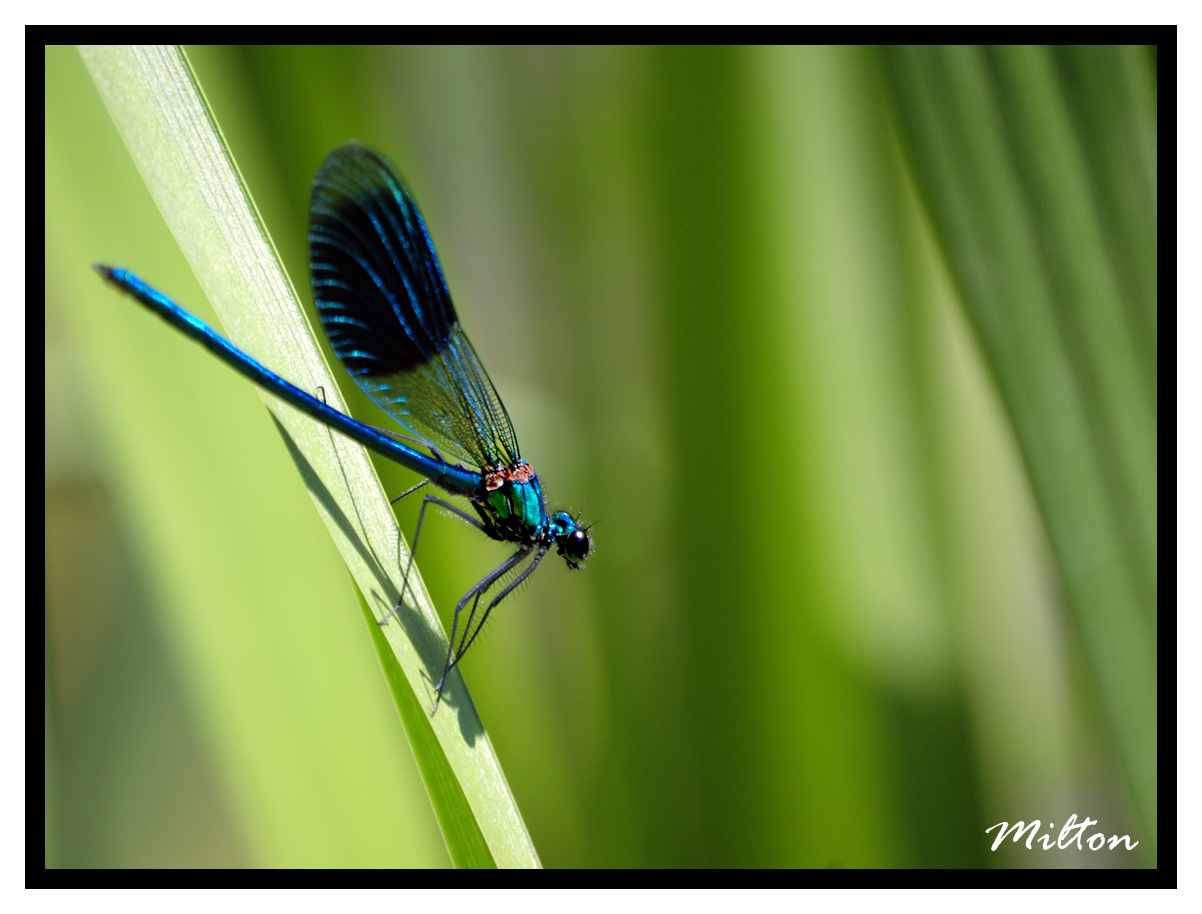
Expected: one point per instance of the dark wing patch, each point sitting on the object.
(378, 285)
(385, 307)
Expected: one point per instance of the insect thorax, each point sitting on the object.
(510, 501)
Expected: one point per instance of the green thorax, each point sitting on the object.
(513, 505)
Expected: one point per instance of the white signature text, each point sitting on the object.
(1095, 842)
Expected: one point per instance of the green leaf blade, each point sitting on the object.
(160, 112)
(464, 839)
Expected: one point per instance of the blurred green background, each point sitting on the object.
(823, 625)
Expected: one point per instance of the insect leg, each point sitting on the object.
(409, 491)
(497, 599)
(421, 516)
(486, 582)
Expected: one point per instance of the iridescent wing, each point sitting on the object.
(386, 310)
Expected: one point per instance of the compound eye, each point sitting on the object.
(575, 547)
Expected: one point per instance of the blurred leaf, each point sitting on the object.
(156, 104)
(1038, 167)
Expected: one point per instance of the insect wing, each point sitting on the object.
(386, 310)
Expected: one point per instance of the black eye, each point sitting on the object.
(575, 547)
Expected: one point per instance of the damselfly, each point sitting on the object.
(386, 309)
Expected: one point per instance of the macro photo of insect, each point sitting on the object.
(641, 457)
